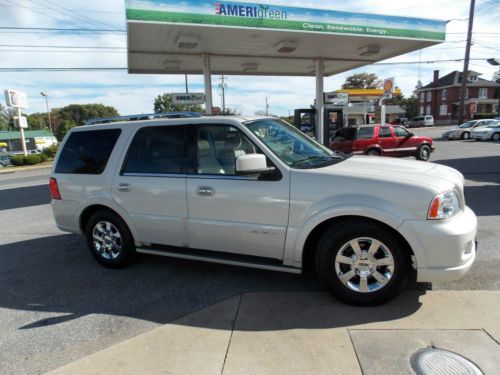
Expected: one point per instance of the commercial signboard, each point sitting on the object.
(337, 98)
(188, 98)
(16, 99)
(389, 86)
(23, 123)
(249, 15)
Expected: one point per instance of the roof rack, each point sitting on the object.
(148, 116)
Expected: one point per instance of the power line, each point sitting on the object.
(51, 29)
(18, 70)
(56, 46)
(55, 51)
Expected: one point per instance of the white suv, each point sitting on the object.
(257, 192)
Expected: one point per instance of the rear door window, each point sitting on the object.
(87, 152)
(157, 150)
(384, 132)
(365, 133)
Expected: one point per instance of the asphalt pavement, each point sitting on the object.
(57, 304)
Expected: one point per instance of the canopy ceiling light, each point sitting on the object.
(250, 67)
(287, 46)
(187, 42)
(172, 65)
(369, 50)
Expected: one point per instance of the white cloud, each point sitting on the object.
(135, 93)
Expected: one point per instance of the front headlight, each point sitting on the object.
(444, 206)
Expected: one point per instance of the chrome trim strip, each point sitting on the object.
(222, 261)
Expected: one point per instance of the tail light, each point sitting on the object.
(54, 189)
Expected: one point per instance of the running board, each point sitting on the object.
(226, 259)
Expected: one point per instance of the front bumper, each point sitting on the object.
(444, 250)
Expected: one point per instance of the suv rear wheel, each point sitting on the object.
(362, 263)
(110, 240)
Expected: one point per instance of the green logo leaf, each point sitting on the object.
(264, 7)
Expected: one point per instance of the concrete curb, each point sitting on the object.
(309, 333)
(7, 170)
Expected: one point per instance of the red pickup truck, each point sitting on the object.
(378, 140)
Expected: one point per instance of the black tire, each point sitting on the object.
(373, 152)
(117, 251)
(495, 137)
(423, 153)
(465, 136)
(333, 244)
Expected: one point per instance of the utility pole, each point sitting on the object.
(461, 108)
(223, 87)
(46, 96)
(187, 88)
(267, 105)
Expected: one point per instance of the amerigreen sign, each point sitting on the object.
(248, 15)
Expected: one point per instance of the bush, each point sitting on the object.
(43, 157)
(17, 160)
(51, 150)
(32, 159)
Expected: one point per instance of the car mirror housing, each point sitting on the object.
(252, 164)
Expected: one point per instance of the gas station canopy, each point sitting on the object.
(168, 37)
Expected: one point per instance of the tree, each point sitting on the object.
(81, 113)
(362, 81)
(163, 103)
(4, 122)
(410, 105)
(38, 121)
(63, 128)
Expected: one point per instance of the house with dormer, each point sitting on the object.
(441, 97)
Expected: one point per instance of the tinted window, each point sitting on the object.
(365, 133)
(156, 150)
(401, 132)
(384, 132)
(87, 152)
(344, 134)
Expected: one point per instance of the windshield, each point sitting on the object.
(292, 146)
(468, 124)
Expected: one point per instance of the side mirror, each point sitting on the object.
(252, 164)
(410, 135)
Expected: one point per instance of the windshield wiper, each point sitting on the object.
(314, 157)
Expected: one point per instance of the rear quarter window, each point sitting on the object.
(365, 133)
(87, 152)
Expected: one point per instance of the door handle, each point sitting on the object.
(123, 187)
(205, 191)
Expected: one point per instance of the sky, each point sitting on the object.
(133, 94)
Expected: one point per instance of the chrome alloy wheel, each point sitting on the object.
(364, 265)
(107, 240)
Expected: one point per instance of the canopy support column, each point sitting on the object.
(207, 77)
(320, 102)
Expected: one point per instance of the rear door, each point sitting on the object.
(151, 186)
(387, 141)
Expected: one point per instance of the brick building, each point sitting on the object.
(441, 98)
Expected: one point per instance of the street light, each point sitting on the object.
(496, 62)
(46, 96)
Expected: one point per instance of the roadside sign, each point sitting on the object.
(16, 99)
(21, 124)
(389, 85)
(188, 99)
(337, 98)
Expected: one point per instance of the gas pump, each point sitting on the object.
(305, 121)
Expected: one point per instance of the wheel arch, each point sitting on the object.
(311, 242)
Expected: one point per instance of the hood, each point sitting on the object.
(419, 173)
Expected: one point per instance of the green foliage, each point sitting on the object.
(63, 128)
(163, 103)
(17, 160)
(43, 157)
(38, 121)
(362, 81)
(4, 122)
(50, 151)
(410, 104)
(79, 114)
(32, 159)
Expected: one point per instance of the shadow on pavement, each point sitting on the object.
(481, 169)
(57, 274)
(24, 197)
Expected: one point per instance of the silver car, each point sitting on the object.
(463, 131)
(487, 133)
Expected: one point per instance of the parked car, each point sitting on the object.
(417, 122)
(487, 133)
(463, 131)
(4, 160)
(257, 192)
(380, 140)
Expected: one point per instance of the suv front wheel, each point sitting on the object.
(361, 263)
(109, 239)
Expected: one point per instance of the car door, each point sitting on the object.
(387, 141)
(405, 143)
(151, 186)
(229, 213)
